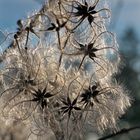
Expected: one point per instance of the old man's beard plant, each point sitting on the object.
(56, 75)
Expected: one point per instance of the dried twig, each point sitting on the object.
(121, 132)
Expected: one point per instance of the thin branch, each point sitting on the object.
(122, 131)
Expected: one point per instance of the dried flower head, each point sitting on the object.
(57, 74)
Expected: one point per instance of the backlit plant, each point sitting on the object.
(56, 75)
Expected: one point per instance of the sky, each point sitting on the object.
(124, 14)
(12, 10)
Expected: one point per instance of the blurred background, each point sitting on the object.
(125, 24)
